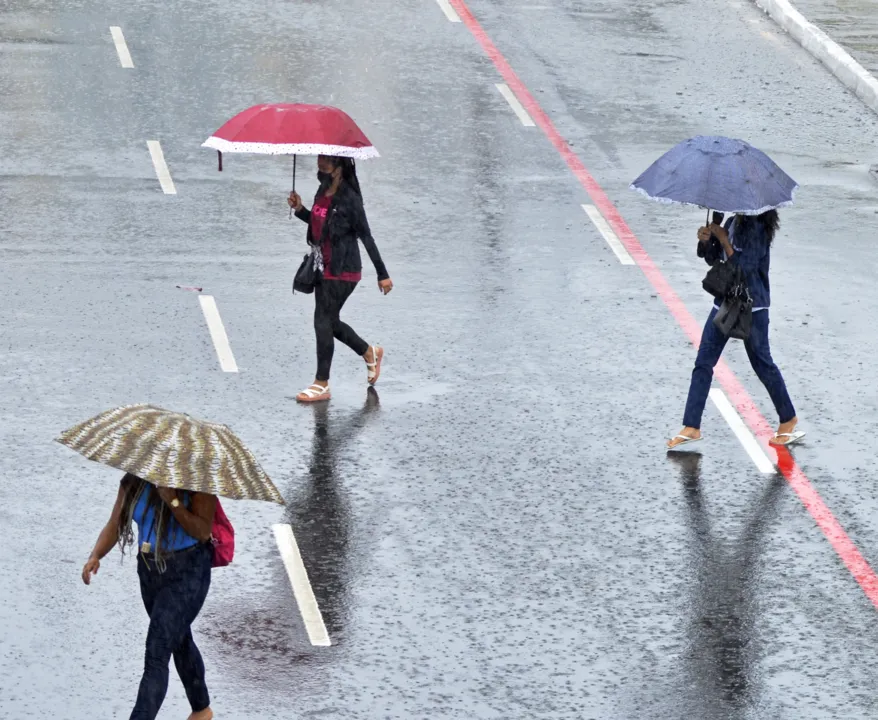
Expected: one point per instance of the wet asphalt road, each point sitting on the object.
(851, 23)
(499, 534)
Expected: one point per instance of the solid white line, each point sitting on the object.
(754, 450)
(218, 333)
(161, 167)
(516, 106)
(121, 47)
(449, 11)
(289, 552)
(612, 239)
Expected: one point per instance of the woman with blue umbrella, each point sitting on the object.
(732, 177)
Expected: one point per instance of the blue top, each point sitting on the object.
(144, 516)
(752, 254)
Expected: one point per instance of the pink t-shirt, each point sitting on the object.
(318, 219)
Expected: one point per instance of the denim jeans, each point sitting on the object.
(713, 342)
(173, 600)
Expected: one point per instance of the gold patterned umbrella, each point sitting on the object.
(173, 450)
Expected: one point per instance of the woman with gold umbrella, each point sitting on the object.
(175, 467)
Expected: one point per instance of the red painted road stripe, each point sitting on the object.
(832, 529)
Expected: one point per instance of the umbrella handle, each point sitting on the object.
(294, 181)
(220, 155)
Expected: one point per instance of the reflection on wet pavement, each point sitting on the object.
(722, 643)
(319, 512)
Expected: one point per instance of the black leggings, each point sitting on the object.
(330, 297)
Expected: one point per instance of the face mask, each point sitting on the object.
(325, 180)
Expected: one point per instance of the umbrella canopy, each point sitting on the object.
(718, 173)
(174, 450)
(293, 129)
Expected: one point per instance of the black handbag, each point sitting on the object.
(720, 279)
(735, 316)
(741, 329)
(306, 276)
(728, 315)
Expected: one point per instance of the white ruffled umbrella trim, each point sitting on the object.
(228, 146)
(669, 201)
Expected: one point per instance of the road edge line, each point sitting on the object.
(606, 231)
(742, 432)
(121, 47)
(449, 11)
(302, 591)
(218, 333)
(162, 172)
(514, 103)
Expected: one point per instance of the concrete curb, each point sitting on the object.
(853, 75)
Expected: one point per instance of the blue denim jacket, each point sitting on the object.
(752, 255)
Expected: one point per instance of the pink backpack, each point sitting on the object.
(223, 538)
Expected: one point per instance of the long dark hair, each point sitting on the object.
(162, 520)
(769, 222)
(348, 173)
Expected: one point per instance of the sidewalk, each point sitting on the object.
(853, 24)
(839, 34)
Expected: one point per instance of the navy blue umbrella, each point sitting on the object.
(718, 173)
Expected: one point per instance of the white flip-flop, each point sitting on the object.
(793, 438)
(686, 441)
(314, 393)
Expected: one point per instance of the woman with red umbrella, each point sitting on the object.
(336, 221)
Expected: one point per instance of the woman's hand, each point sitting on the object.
(167, 494)
(294, 201)
(385, 286)
(91, 568)
(721, 233)
(713, 230)
(703, 234)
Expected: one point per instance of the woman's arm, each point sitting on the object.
(295, 202)
(365, 235)
(721, 234)
(711, 246)
(197, 521)
(110, 534)
(106, 540)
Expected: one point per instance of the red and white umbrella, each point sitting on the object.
(292, 129)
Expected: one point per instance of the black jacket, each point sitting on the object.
(345, 223)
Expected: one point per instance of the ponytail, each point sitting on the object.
(349, 173)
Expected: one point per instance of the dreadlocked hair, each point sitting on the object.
(162, 520)
(349, 173)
